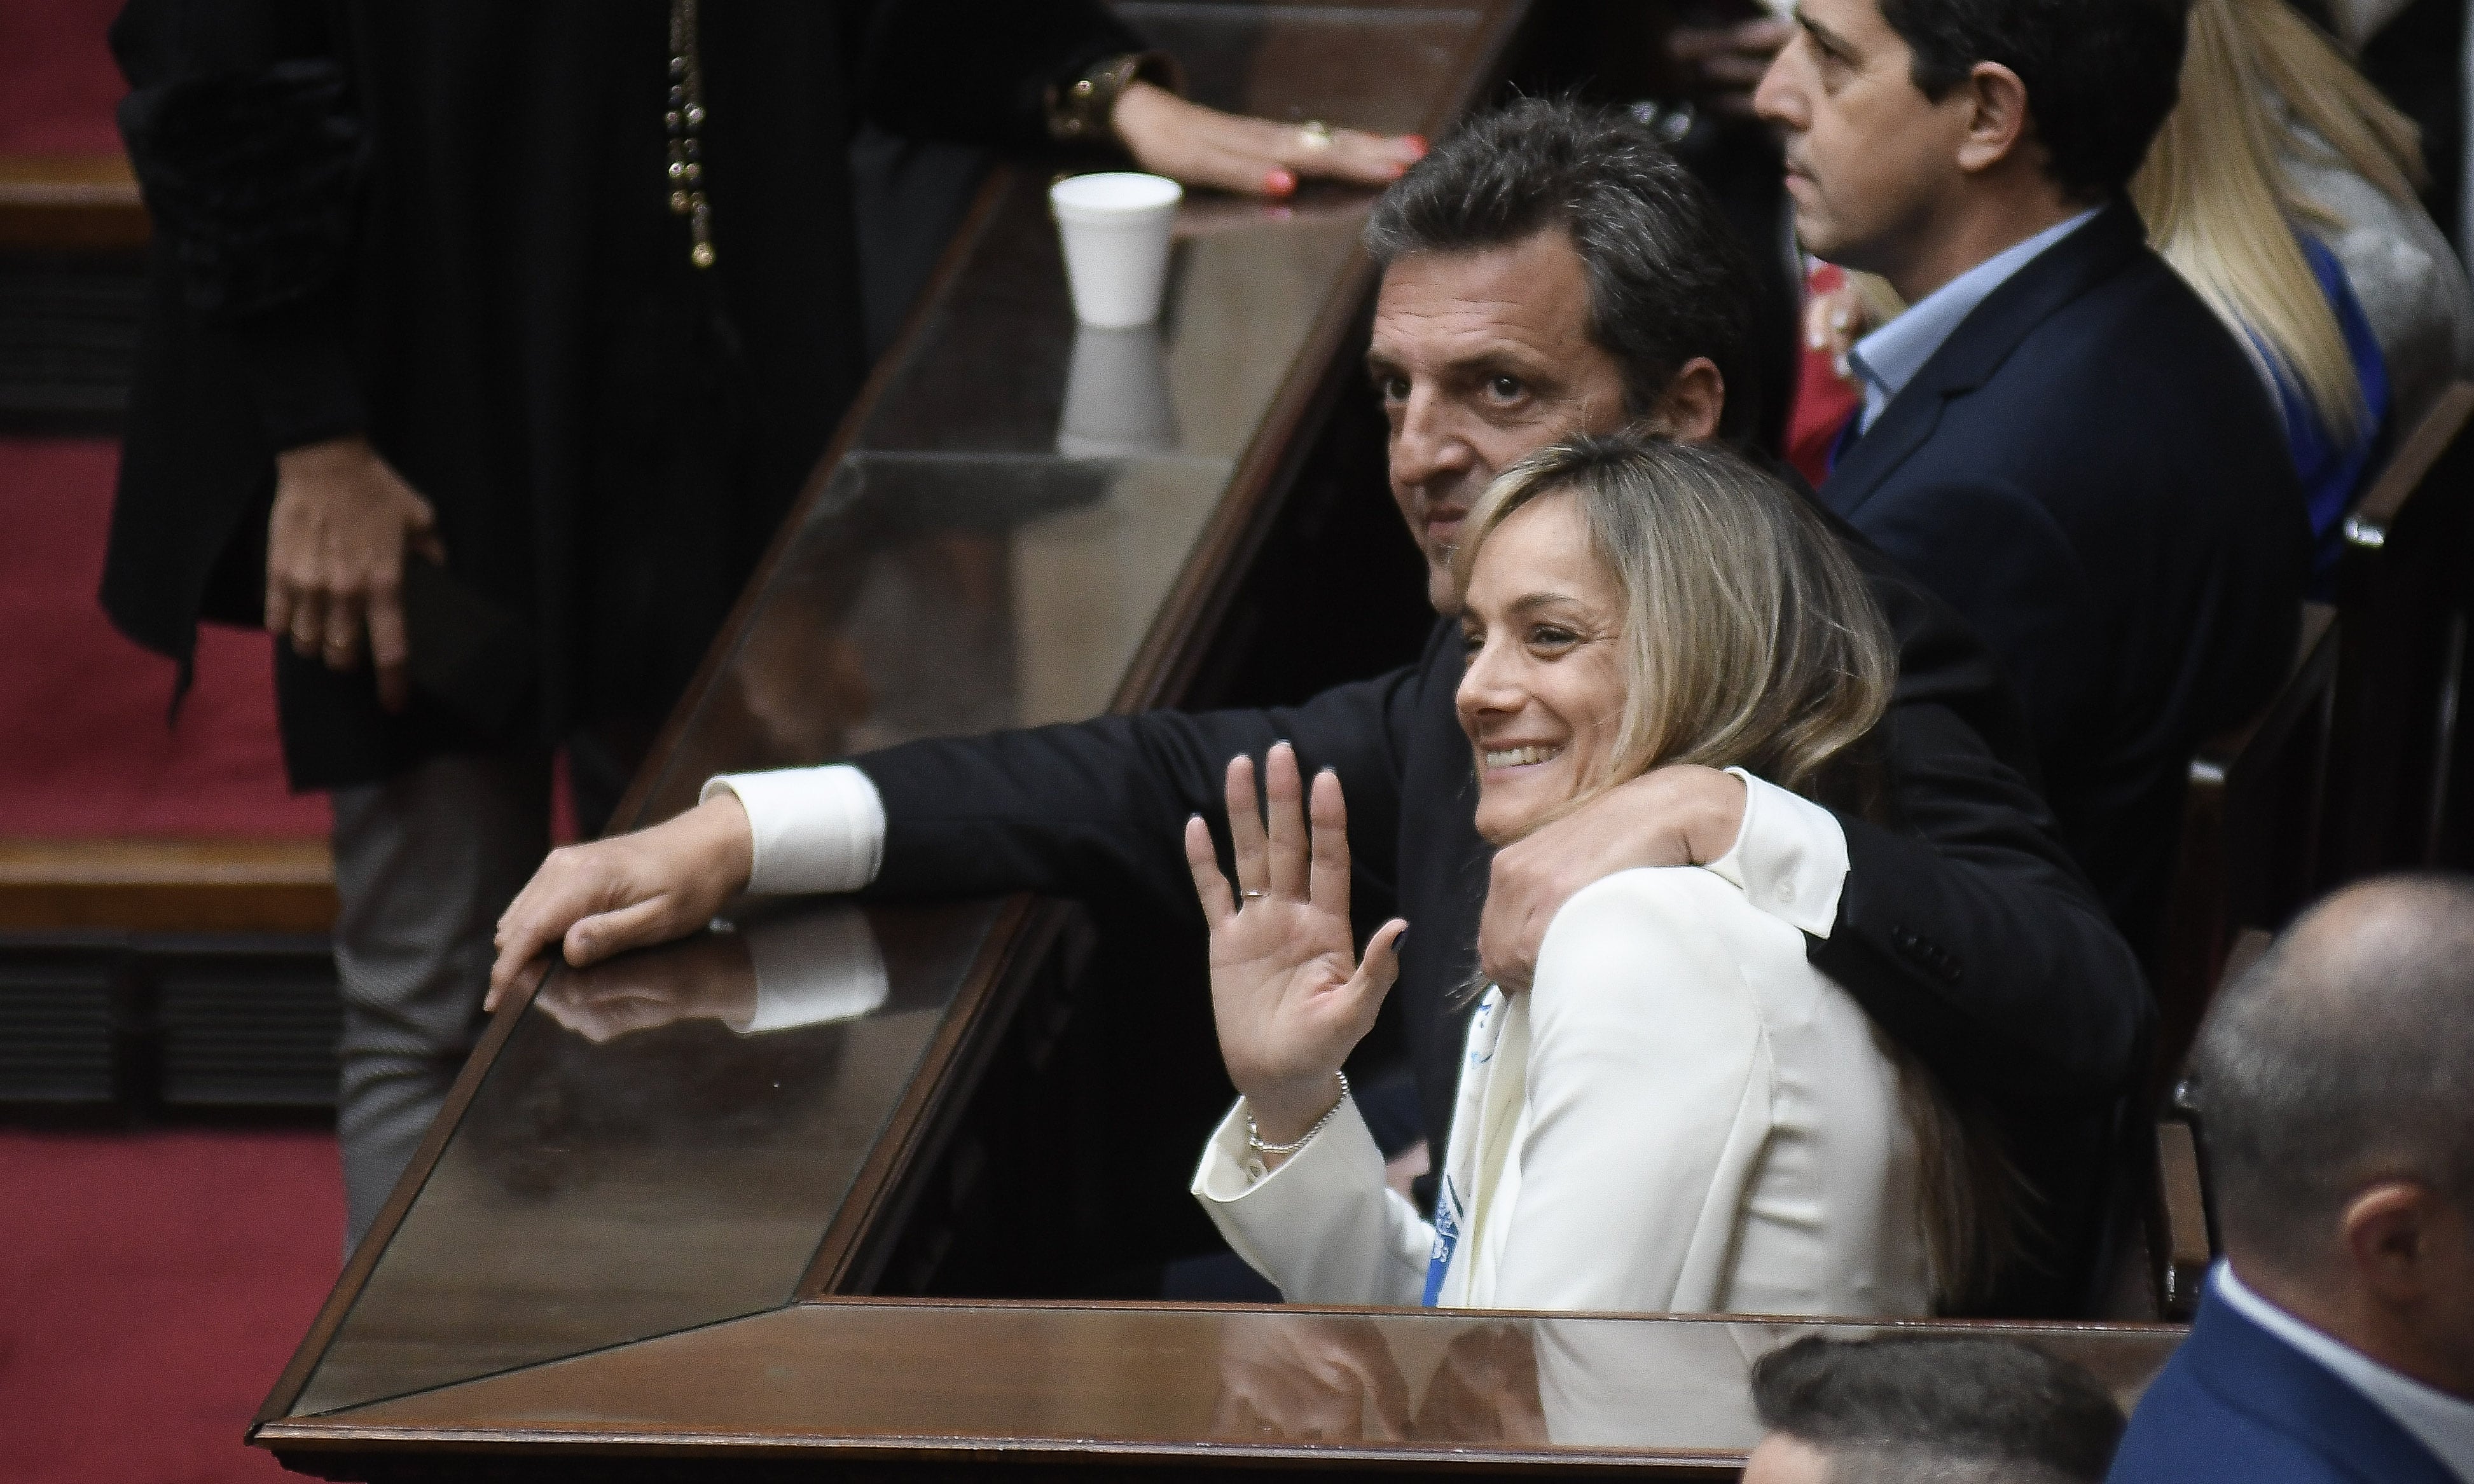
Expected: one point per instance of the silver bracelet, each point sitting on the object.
(1255, 1137)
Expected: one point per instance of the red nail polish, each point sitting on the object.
(1279, 183)
(1416, 142)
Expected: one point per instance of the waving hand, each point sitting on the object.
(1286, 991)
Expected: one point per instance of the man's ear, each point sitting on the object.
(1688, 410)
(2387, 1234)
(1996, 104)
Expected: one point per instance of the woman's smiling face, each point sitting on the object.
(1542, 697)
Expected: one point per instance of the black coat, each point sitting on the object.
(446, 225)
(2090, 470)
(1963, 928)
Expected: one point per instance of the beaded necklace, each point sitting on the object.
(685, 119)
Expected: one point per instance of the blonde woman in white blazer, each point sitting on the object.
(1680, 1114)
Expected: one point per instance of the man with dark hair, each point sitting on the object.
(1669, 284)
(2057, 436)
(2336, 1341)
(1960, 926)
(1919, 1409)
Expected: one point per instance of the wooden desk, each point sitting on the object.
(918, 1391)
(634, 1233)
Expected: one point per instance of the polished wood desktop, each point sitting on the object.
(922, 1390)
(656, 1231)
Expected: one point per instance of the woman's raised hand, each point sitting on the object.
(1286, 991)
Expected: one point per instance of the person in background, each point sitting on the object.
(2415, 53)
(1679, 1113)
(2057, 437)
(501, 337)
(2297, 221)
(2336, 1340)
(2281, 188)
(1919, 1409)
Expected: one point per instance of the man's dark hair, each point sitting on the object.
(2101, 74)
(2343, 1056)
(1668, 281)
(1913, 1407)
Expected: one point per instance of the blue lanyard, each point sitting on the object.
(1447, 1236)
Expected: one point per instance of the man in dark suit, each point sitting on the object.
(1549, 270)
(2336, 1342)
(2057, 437)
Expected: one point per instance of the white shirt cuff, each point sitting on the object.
(813, 968)
(1226, 1173)
(1789, 856)
(816, 829)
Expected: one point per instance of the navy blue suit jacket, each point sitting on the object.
(2237, 1404)
(2090, 470)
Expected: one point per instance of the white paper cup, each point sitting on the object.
(1117, 402)
(1115, 225)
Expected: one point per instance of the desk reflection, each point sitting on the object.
(658, 1144)
(1399, 1388)
(1677, 1383)
(1117, 402)
(1506, 1382)
(810, 966)
(706, 978)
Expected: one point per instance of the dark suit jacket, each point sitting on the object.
(2090, 470)
(1962, 927)
(2238, 1405)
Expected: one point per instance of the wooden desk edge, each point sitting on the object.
(70, 204)
(167, 884)
(334, 1437)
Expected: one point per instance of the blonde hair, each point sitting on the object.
(2222, 210)
(1748, 638)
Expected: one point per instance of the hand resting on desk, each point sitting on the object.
(628, 892)
(1253, 157)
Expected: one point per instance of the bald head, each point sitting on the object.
(2343, 1058)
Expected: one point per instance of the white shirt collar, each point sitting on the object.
(2445, 1423)
(1887, 359)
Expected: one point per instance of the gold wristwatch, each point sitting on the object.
(1078, 111)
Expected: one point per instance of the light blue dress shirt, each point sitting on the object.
(1887, 359)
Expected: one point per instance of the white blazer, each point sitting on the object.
(1683, 1116)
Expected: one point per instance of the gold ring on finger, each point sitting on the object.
(1313, 134)
(1253, 895)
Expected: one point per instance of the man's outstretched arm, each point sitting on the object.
(1093, 810)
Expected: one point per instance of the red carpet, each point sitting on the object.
(83, 747)
(58, 85)
(152, 1286)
